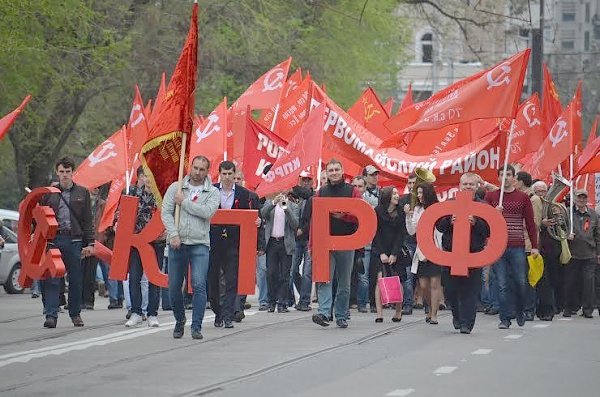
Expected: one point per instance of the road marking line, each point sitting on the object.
(541, 326)
(400, 392)
(565, 319)
(56, 350)
(513, 336)
(482, 351)
(444, 370)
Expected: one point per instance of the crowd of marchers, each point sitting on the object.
(537, 226)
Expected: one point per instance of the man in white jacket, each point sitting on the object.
(189, 242)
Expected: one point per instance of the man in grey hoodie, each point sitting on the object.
(189, 241)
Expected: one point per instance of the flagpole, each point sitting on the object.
(319, 167)
(126, 148)
(585, 183)
(225, 133)
(506, 156)
(571, 193)
(275, 115)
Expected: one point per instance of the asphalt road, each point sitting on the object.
(271, 354)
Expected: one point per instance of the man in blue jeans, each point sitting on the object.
(512, 265)
(341, 262)
(74, 239)
(189, 240)
(146, 208)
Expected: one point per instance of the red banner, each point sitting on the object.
(265, 92)
(370, 112)
(209, 137)
(7, 121)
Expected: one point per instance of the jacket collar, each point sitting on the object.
(205, 186)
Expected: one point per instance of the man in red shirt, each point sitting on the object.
(512, 266)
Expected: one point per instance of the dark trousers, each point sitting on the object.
(90, 264)
(71, 256)
(546, 292)
(462, 294)
(372, 278)
(136, 270)
(279, 264)
(581, 271)
(224, 256)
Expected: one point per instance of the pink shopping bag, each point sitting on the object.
(390, 289)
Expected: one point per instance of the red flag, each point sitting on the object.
(137, 130)
(578, 127)
(303, 151)
(589, 161)
(209, 137)
(558, 144)
(494, 92)
(267, 115)
(112, 203)
(265, 92)
(551, 106)
(262, 147)
(369, 112)
(529, 132)
(106, 163)
(389, 105)
(345, 135)
(293, 110)
(173, 117)
(7, 121)
(158, 103)
(408, 99)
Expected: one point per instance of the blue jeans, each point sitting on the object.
(340, 270)
(362, 290)
(302, 282)
(485, 296)
(197, 257)
(261, 279)
(136, 272)
(511, 274)
(408, 286)
(115, 290)
(71, 256)
(35, 287)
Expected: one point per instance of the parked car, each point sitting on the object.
(10, 219)
(10, 263)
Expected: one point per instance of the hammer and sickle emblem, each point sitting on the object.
(369, 111)
(102, 154)
(557, 134)
(501, 79)
(37, 262)
(273, 80)
(460, 259)
(529, 113)
(138, 119)
(210, 127)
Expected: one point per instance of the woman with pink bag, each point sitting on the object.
(386, 253)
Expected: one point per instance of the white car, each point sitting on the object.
(10, 263)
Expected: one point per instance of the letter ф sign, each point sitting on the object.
(126, 239)
(460, 259)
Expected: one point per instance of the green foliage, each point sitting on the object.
(80, 59)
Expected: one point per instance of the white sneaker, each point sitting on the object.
(134, 320)
(153, 322)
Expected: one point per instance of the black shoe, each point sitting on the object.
(179, 329)
(263, 307)
(247, 306)
(271, 309)
(362, 309)
(114, 305)
(228, 324)
(88, 306)
(455, 323)
(529, 316)
(302, 307)
(521, 318)
(442, 306)
(282, 309)
(373, 309)
(196, 334)
(218, 322)
(341, 323)
(465, 330)
(239, 316)
(546, 317)
(504, 325)
(50, 322)
(35, 295)
(320, 319)
(128, 315)
(407, 311)
(567, 313)
(492, 312)
(587, 315)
